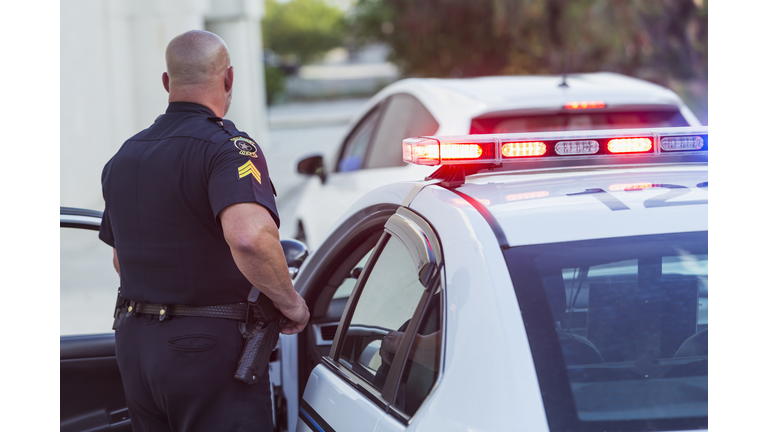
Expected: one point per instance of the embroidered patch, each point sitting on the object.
(249, 168)
(246, 146)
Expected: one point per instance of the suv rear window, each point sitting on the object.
(488, 124)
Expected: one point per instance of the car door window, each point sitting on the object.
(422, 365)
(88, 283)
(386, 304)
(404, 117)
(346, 287)
(354, 146)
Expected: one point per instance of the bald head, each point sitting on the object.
(196, 58)
(199, 71)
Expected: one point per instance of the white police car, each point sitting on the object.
(538, 282)
(369, 154)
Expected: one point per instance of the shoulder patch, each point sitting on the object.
(246, 146)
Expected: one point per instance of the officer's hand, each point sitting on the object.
(298, 316)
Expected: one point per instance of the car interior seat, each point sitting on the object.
(696, 345)
(577, 350)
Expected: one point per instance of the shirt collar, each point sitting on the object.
(189, 107)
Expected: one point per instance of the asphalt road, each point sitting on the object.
(88, 280)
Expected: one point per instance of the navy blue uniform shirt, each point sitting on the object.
(164, 191)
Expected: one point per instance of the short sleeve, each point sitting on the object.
(239, 174)
(105, 230)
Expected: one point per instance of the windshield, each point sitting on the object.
(618, 330)
(576, 121)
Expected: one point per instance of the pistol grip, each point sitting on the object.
(254, 359)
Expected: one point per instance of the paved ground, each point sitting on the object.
(88, 281)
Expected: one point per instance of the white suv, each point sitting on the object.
(370, 153)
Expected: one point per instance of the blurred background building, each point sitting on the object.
(112, 60)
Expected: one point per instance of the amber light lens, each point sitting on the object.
(460, 151)
(629, 145)
(429, 151)
(523, 149)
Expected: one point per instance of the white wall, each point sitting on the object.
(112, 60)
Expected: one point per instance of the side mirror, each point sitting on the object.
(312, 165)
(295, 253)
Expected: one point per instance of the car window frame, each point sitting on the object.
(433, 283)
(408, 127)
(378, 108)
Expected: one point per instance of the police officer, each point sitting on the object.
(191, 215)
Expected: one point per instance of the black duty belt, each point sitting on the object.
(233, 311)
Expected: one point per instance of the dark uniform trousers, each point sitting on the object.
(182, 376)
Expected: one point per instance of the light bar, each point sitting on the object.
(562, 148)
(584, 105)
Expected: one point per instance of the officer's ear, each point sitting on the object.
(166, 82)
(229, 78)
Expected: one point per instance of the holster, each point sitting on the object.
(120, 304)
(262, 330)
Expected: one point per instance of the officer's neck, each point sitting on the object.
(215, 102)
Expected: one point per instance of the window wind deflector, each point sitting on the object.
(417, 243)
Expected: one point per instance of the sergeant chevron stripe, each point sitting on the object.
(249, 168)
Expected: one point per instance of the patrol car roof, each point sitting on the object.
(549, 206)
(547, 187)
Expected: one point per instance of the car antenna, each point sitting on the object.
(565, 70)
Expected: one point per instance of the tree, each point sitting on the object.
(444, 38)
(304, 29)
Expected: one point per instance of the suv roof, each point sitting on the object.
(454, 102)
(527, 89)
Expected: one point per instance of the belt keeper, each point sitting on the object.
(131, 308)
(163, 312)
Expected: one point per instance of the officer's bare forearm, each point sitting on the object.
(254, 241)
(115, 262)
(262, 262)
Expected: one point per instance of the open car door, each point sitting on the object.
(91, 390)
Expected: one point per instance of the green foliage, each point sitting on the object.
(657, 39)
(274, 81)
(302, 28)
